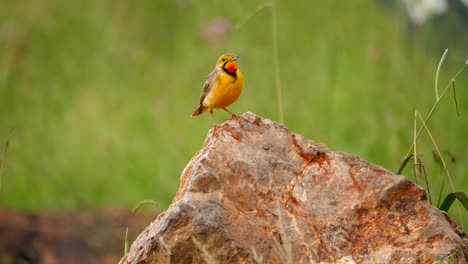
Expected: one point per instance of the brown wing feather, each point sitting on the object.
(207, 86)
(205, 91)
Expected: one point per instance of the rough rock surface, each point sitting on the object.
(258, 193)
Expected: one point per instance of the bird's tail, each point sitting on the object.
(200, 110)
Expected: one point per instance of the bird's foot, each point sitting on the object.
(233, 116)
(216, 131)
(240, 119)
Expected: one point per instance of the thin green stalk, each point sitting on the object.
(246, 18)
(447, 172)
(426, 120)
(440, 193)
(274, 37)
(143, 202)
(455, 99)
(126, 242)
(415, 158)
(274, 32)
(205, 254)
(2, 158)
(437, 74)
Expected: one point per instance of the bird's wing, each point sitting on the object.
(208, 85)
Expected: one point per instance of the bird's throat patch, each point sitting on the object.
(231, 67)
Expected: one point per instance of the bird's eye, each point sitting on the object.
(223, 59)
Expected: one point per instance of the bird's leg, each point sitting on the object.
(232, 114)
(215, 127)
(212, 118)
(238, 118)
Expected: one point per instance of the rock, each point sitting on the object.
(258, 193)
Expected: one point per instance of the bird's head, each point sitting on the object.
(228, 62)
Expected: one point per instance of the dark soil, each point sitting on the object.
(70, 236)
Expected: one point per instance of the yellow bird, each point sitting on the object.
(222, 88)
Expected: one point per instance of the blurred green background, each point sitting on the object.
(99, 93)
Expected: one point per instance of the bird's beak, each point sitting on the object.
(234, 58)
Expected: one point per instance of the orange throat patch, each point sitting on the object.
(231, 67)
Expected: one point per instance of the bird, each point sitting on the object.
(222, 88)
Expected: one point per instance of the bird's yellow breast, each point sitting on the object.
(225, 91)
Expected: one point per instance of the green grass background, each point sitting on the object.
(99, 93)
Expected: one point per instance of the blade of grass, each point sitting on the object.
(437, 160)
(441, 191)
(256, 258)
(422, 171)
(2, 159)
(415, 157)
(126, 242)
(455, 98)
(282, 249)
(274, 30)
(437, 151)
(451, 197)
(443, 162)
(205, 253)
(437, 74)
(428, 117)
(274, 37)
(143, 202)
(453, 159)
(403, 164)
(249, 16)
(441, 166)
